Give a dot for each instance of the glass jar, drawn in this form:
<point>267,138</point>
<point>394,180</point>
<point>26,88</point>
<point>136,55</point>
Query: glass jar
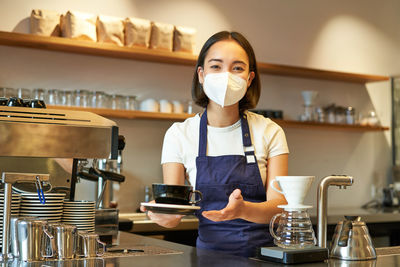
<point>66,98</point>
<point>130,102</point>
<point>330,116</point>
<point>294,230</point>
<point>320,114</point>
<point>372,118</point>
<point>117,101</point>
<point>308,113</point>
<point>340,115</point>
<point>81,98</point>
<point>24,93</point>
<point>99,99</point>
<point>91,99</point>
<point>189,106</point>
<point>38,94</point>
<point>52,97</point>
<point>350,115</point>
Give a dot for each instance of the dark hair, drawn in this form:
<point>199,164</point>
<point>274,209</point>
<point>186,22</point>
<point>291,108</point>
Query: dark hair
<point>252,96</point>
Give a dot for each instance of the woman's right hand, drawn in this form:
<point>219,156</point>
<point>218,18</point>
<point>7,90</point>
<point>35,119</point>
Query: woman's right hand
<point>164,220</point>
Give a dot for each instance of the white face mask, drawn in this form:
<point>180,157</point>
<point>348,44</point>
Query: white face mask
<point>224,88</point>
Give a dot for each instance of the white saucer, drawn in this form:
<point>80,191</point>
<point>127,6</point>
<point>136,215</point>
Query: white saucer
<point>295,207</point>
<point>170,208</point>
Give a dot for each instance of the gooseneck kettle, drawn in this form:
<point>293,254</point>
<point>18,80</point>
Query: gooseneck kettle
<point>351,240</point>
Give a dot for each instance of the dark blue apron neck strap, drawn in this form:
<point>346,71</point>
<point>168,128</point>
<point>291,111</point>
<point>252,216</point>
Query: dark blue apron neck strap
<point>248,147</point>
<point>245,131</point>
<point>203,135</point>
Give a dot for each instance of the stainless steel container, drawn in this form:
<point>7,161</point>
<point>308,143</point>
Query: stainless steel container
<point>65,237</point>
<point>89,245</point>
<point>351,241</point>
<point>107,223</point>
<point>13,234</point>
<point>32,235</point>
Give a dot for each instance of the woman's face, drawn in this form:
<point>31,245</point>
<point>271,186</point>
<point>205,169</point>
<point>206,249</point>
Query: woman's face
<point>226,56</point>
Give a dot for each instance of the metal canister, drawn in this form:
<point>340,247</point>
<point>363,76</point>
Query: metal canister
<point>31,240</point>
<point>13,234</point>
<point>350,115</point>
<point>89,245</point>
<point>65,236</point>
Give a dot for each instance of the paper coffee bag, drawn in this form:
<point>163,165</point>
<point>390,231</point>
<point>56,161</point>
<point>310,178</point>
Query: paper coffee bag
<point>110,30</point>
<point>45,22</point>
<point>161,36</point>
<point>79,25</point>
<point>137,32</point>
<point>184,39</point>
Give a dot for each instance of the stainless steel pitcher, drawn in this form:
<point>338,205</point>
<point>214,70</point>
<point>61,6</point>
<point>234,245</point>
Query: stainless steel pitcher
<point>13,234</point>
<point>89,245</point>
<point>351,240</point>
<point>32,235</point>
<point>65,237</point>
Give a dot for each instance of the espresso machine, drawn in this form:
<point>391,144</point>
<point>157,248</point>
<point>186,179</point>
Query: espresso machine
<point>39,146</point>
<point>105,172</point>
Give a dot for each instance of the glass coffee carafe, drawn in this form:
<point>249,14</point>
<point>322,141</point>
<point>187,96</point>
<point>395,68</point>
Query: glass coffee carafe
<point>294,230</point>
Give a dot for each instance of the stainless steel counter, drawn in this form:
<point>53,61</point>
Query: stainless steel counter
<point>186,256</point>
<point>384,215</point>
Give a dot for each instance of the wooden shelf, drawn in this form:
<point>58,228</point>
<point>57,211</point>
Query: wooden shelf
<point>130,114</point>
<point>329,126</point>
<point>109,50</point>
<point>135,114</point>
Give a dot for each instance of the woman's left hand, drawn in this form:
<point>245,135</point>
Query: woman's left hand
<point>232,211</point>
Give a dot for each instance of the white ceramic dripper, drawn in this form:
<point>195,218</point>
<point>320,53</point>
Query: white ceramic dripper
<point>309,97</point>
<point>295,189</point>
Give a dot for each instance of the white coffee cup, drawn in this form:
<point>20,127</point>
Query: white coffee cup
<point>178,106</point>
<point>294,188</point>
<point>150,105</point>
<point>165,106</point>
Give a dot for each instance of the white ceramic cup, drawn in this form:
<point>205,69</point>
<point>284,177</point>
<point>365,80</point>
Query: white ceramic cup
<point>150,105</point>
<point>165,106</point>
<point>294,188</point>
<point>178,106</point>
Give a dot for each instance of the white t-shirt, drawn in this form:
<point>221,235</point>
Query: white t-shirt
<point>181,142</point>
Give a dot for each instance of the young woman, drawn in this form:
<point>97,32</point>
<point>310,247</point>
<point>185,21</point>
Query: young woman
<point>227,152</point>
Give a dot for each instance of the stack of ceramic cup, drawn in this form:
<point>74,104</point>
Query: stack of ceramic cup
<point>81,214</point>
<point>15,203</point>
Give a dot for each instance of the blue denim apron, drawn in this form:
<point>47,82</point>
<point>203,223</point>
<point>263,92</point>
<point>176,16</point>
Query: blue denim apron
<point>216,178</point>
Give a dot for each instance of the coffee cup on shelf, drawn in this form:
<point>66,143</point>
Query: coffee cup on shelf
<point>150,105</point>
<point>176,194</point>
<point>178,106</point>
<point>165,106</point>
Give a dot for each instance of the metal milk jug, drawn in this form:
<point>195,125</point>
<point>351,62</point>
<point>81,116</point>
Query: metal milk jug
<point>32,235</point>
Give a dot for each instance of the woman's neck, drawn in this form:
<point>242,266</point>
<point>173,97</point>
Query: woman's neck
<point>218,116</point>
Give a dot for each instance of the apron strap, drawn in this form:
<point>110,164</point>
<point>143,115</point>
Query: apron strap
<point>203,135</point>
<point>246,138</point>
<point>247,144</point>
